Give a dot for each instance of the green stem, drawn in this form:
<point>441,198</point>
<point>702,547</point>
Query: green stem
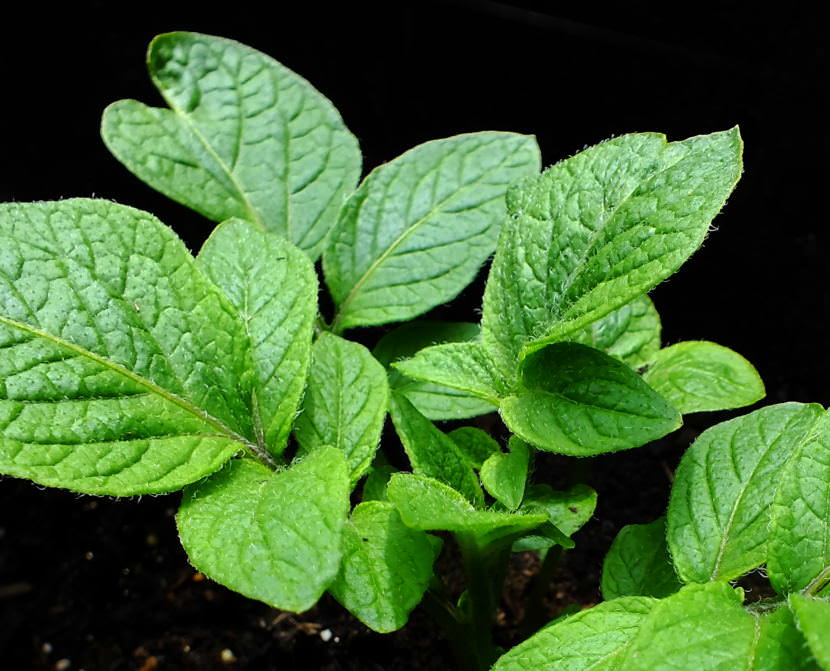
<point>534,616</point>
<point>819,583</point>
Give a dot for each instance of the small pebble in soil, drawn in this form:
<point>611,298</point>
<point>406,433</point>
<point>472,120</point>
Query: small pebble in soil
<point>46,648</point>
<point>89,556</point>
<point>326,635</point>
<point>227,656</point>
<point>152,540</point>
<point>62,664</point>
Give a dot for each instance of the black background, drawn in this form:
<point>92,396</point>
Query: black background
<point>406,72</point>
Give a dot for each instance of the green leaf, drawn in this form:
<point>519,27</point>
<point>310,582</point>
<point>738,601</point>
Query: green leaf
<point>813,617</point>
<point>434,401</point>
<point>718,519</point>
<point>781,646</point>
<point>345,402</point>
<point>122,369</point>
<point>431,452</point>
<point>504,475</point>
<point>464,366</point>
<point>475,444</point>
<point>374,487</point>
<point>579,401</point>
<point>244,137</point>
<point>638,563</point>
<point>274,287</point>
<point>701,627</point>
<point>419,227</point>
<point>630,333</point>
<point>597,230</point>
<point>275,537</point>
<point>567,510</point>
<point>800,531</point>
<point>699,376</point>
<point>430,505</point>
<point>594,639</point>
<point>386,567</point>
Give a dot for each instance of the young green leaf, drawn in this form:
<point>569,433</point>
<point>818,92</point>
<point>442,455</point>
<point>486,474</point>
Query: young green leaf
<point>504,475</point>
<point>275,537</point>
<point>701,627</point>
<point>374,487</point>
<point>419,227</point>
<point>813,618</point>
<point>430,505</point>
<point>594,639</point>
<point>630,333</point>
<point>274,287</point>
<point>434,401</point>
<point>431,452</point>
<point>244,137</point>
<point>638,563</point>
<point>345,402</point>
<point>567,510</point>
<point>579,401</point>
<point>698,376</point>
<point>386,567</point>
<point>718,519</point>
<point>475,444</point>
<point>781,646</point>
<point>800,531</point>
<point>597,230</point>
<point>122,369</point>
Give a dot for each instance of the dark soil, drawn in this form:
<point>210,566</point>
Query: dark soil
<point>103,585</point>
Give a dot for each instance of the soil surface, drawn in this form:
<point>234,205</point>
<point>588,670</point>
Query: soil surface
<point>103,585</point>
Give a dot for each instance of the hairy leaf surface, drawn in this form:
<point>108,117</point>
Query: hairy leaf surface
<point>781,646</point>
<point>718,519</point>
<point>475,444</point>
<point>568,510</point>
<point>504,474</point>
<point>345,402</point>
<point>244,137</point>
<point>813,619</point>
<point>698,376</point>
<point>275,537</point>
<point>419,227</point>
<point>274,287</point>
<point>579,401</point>
<point>122,369</point>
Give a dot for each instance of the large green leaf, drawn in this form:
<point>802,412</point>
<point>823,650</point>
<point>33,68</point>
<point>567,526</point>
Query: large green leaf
<point>718,519</point>
<point>275,537</point>
<point>638,563</point>
<point>698,376</point>
<point>594,639</point>
<point>579,401</point>
<point>431,452</point>
<point>386,567</point>
<point>345,403</point>
<point>813,618</point>
<point>800,531</point>
<point>244,137</point>
<point>781,646</point>
<point>597,230</point>
<point>274,287</point>
<point>430,505</point>
<point>504,475</point>
<point>432,400</point>
<point>122,369</point>
<point>419,227</point>
<point>630,333</point>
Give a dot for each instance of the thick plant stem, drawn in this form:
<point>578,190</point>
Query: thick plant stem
<point>534,616</point>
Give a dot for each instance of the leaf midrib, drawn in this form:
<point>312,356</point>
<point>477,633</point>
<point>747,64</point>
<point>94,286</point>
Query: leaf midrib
<point>138,379</point>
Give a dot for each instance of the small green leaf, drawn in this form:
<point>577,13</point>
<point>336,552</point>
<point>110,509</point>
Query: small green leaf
<point>813,618</point>
<point>638,563</point>
<point>434,401</point>
<point>699,376</point>
<point>781,646</point>
<point>345,402</point>
<point>122,369</point>
<point>275,537</point>
<point>718,519</point>
<point>274,287</point>
<point>580,401</point>
<point>477,445</point>
<point>800,531</point>
<point>245,137</point>
<point>464,366</point>
<point>701,627</point>
<point>594,639</point>
<point>430,505</point>
<point>630,333</point>
<point>504,475</point>
<point>433,453</point>
<point>569,509</point>
<point>386,567</point>
<point>374,487</point>
<point>419,227</point>
<point>597,230</point>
